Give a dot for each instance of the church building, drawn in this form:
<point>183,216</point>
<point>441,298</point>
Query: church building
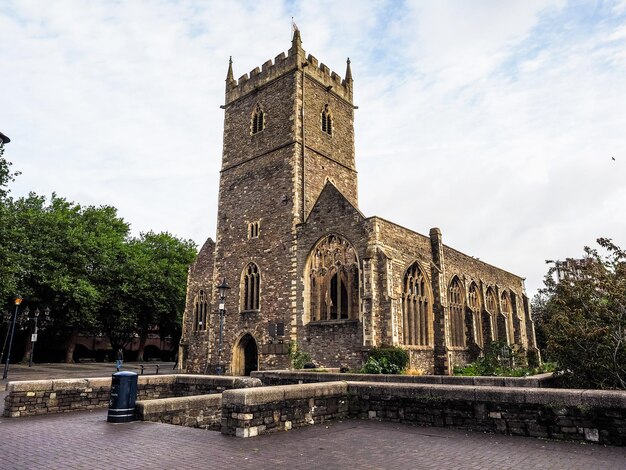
<point>306,267</point>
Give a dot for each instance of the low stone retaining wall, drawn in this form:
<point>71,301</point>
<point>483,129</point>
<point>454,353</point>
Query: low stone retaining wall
<point>591,415</point>
<point>247,413</point>
<point>35,397</point>
<point>288,377</point>
<point>202,411</point>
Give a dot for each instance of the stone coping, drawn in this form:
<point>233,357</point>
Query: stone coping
<point>105,382</point>
<point>162,405</point>
<point>262,395</point>
<point>548,397</point>
<point>535,381</point>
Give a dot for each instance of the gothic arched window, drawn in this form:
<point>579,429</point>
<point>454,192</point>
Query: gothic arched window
<point>473,302</point>
<point>250,283</point>
<point>334,280</point>
<point>491,302</point>
<point>200,309</point>
<point>258,120</point>
<point>327,121</point>
<point>507,310</point>
<point>416,307</point>
<point>457,321</point>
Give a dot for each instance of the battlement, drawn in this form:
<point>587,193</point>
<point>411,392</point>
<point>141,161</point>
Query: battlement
<point>295,59</point>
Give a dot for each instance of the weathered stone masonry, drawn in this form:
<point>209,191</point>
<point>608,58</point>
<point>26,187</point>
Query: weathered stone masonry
<point>330,279</point>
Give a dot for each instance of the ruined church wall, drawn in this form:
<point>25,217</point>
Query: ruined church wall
<point>195,344</point>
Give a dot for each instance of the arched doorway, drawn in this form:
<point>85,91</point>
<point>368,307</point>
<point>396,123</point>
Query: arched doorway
<point>246,356</point>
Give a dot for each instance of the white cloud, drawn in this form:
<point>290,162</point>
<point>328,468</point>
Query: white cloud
<point>493,120</point>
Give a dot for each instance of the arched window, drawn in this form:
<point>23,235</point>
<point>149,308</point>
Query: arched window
<point>457,321</point>
<point>258,120</point>
<point>473,302</point>
<point>416,307</point>
<point>327,121</point>
<point>491,301</point>
<point>250,283</point>
<point>200,309</point>
<point>507,310</point>
<point>333,269</point>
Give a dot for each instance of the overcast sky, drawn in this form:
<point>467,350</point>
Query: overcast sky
<point>496,121</point>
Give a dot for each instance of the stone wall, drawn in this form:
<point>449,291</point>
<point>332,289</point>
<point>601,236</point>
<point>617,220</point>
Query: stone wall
<point>287,377</point>
<point>36,397</point>
<point>201,411</point>
<point>194,344</point>
<point>246,413</point>
<point>584,415</point>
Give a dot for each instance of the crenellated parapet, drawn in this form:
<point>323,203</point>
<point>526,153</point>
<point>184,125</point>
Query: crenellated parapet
<point>295,60</point>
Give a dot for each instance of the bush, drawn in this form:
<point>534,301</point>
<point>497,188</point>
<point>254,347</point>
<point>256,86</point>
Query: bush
<point>386,361</point>
<point>298,357</point>
<point>500,359</point>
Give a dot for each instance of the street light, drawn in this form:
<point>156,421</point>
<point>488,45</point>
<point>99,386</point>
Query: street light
<point>18,301</point>
<point>222,290</point>
<point>33,338</point>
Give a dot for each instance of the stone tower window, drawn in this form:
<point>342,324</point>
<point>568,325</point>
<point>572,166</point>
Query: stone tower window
<point>258,120</point>
<point>473,302</point>
<point>253,229</point>
<point>334,280</point>
<point>327,121</point>
<point>200,310</point>
<point>457,321</point>
<point>507,310</point>
<point>416,307</point>
<point>250,283</point>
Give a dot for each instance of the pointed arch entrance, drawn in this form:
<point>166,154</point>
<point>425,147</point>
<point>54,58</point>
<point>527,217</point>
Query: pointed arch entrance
<point>245,356</point>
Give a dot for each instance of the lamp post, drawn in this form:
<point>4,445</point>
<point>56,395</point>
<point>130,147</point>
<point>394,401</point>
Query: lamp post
<point>222,290</point>
<point>10,332</point>
<point>33,338</point>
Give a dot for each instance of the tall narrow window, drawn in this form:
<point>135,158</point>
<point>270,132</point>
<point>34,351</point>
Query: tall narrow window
<point>250,283</point>
<point>253,229</point>
<point>200,310</point>
<point>507,310</point>
<point>473,301</point>
<point>416,308</point>
<point>258,120</point>
<point>327,121</point>
<point>491,302</point>
<point>334,280</point>
<point>457,321</point>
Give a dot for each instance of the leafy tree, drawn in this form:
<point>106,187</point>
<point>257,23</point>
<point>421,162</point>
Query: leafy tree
<point>584,318</point>
<point>158,263</point>
<point>64,255</point>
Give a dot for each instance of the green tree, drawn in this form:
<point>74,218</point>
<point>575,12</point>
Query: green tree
<point>65,253</point>
<point>159,263</point>
<point>585,318</point>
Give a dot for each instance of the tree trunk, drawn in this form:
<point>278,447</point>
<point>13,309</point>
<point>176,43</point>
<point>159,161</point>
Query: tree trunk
<point>142,345</point>
<point>28,348</point>
<point>70,345</point>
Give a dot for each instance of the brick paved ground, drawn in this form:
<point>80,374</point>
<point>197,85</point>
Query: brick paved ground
<point>86,441</point>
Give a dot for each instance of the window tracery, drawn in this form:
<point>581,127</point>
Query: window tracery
<point>416,307</point>
<point>334,280</point>
<point>200,310</point>
<point>327,121</point>
<point>258,120</point>
<point>250,288</point>
<point>456,308</point>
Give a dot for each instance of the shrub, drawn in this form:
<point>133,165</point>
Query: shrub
<point>386,361</point>
<point>298,357</point>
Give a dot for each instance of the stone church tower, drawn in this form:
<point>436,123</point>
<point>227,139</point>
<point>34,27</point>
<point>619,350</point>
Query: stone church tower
<point>305,266</point>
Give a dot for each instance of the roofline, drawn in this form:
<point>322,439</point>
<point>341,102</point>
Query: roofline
<point>448,247</point>
<point>4,138</point>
